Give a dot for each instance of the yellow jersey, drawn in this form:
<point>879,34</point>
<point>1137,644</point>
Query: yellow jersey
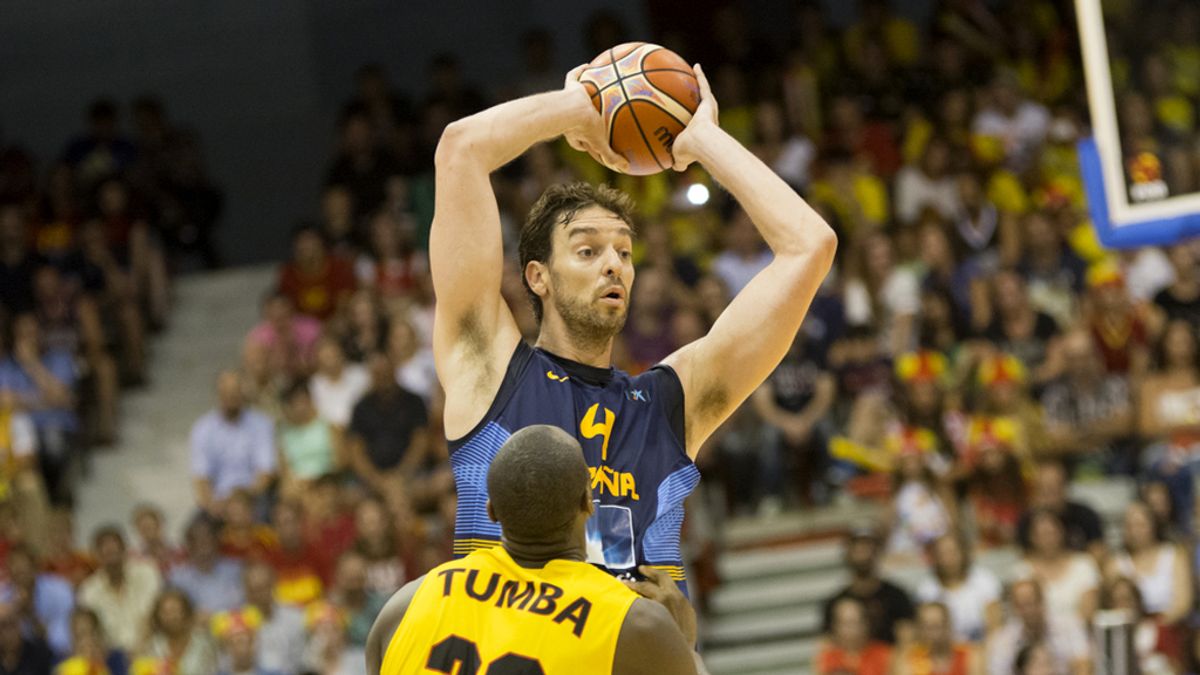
<point>487,615</point>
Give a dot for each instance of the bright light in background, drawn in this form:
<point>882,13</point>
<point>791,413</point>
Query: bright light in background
<point>697,195</point>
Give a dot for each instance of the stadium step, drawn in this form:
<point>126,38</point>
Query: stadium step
<point>212,314</point>
<point>786,657</point>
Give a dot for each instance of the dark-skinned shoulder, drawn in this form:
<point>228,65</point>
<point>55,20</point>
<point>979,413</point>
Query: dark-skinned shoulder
<point>386,624</point>
<point>651,644</point>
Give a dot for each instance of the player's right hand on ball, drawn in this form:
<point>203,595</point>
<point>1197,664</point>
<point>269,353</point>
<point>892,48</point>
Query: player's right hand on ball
<point>660,588</point>
<point>590,135</point>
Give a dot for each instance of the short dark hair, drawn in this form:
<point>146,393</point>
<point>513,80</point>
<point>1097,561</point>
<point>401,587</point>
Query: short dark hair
<point>294,388</point>
<point>558,205</point>
<point>107,532</point>
<point>538,483</point>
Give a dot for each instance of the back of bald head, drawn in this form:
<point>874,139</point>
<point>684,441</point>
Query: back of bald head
<point>538,483</point>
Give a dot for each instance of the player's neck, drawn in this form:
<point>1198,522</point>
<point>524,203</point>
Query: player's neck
<point>555,338</point>
<point>535,555</point>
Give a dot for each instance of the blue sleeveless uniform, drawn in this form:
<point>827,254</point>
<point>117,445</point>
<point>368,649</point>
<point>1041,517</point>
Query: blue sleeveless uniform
<point>631,430</point>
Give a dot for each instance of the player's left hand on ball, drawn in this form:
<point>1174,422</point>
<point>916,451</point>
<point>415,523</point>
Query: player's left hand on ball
<point>659,587</point>
<point>591,136</point>
<point>683,151</point>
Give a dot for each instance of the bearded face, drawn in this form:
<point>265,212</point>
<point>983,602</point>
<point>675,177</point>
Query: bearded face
<point>586,283</point>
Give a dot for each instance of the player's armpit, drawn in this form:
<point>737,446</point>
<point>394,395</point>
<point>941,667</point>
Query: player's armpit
<point>651,644</point>
<point>386,624</point>
<point>719,371</point>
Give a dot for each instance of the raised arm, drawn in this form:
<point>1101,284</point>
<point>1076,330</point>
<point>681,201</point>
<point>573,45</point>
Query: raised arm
<point>474,333</point>
<point>752,335</point>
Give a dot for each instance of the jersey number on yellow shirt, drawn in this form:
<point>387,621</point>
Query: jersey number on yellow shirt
<point>459,656</point>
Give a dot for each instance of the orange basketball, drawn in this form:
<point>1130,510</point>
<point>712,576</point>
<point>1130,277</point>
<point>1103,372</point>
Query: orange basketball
<point>647,95</point>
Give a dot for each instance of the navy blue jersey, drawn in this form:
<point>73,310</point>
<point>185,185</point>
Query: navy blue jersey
<point>631,430</point>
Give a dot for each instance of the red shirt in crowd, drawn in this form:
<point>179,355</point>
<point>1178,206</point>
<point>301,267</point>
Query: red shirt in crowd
<point>318,295</point>
<point>875,659</point>
<point>331,538</point>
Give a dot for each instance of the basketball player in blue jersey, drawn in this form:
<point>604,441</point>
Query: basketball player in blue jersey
<point>640,435</point>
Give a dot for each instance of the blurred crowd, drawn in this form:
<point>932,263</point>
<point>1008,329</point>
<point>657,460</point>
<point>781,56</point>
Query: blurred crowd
<point>974,353</point>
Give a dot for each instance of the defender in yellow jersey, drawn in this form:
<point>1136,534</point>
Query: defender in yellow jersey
<point>532,606</point>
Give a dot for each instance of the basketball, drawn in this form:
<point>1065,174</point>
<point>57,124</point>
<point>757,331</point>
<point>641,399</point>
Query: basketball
<point>647,95</point>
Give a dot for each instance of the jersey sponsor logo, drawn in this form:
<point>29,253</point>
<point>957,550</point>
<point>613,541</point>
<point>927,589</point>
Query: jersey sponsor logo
<point>590,427</point>
<point>551,375</point>
<point>615,483</point>
<point>637,396</point>
<point>540,598</point>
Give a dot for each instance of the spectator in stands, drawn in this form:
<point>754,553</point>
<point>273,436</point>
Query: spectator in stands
<point>995,483</point>
<point>337,385</point>
<point>285,340</point>
<point>21,480</point>
<point>178,638</point>
<point>1070,581</point>
<point>887,607</point>
<point>388,440</point>
<point>928,185</point>
<point>309,446</point>
<point>884,295</point>
<point>392,267</point>
<point>43,601</point>
<point>242,537</point>
<point>20,655</point>
<point>111,291</point>
<point>212,581</point>
<point>936,650</point>
<point>148,524</point>
<point>1181,300</point>
<point>378,543</point>
<point>296,561</point>
<point>69,323</point>
<point>354,599</point>
<point>970,592</point>
<point>850,646</point>
<point>316,282</point>
<point>91,652</point>
<point>102,151</point>
<point>60,555</point>
<point>1158,566</point>
<point>338,223</point>
<point>1082,528</point>
<point>326,650</point>
<point>1120,327</point>
<point>1036,659</point>
<point>328,524</point>
<point>1159,649</point>
<point>1010,322</point>
<point>361,165</point>
<point>122,592</point>
<point>232,447</point>
<point>127,235</point>
<point>236,633</point>
<point>1019,123</point>
<point>744,253</point>
<point>647,335</point>
<point>281,635</point>
<point>1088,413</point>
<point>1176,376</point>
<point>43,381</point>
<point>922,507</point>
<point>1031,623</point>
<point>412,359</point>
<point>1054,275</point>
<point>796,401</point>
<point>365,331</point>
<point>790,154</point>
